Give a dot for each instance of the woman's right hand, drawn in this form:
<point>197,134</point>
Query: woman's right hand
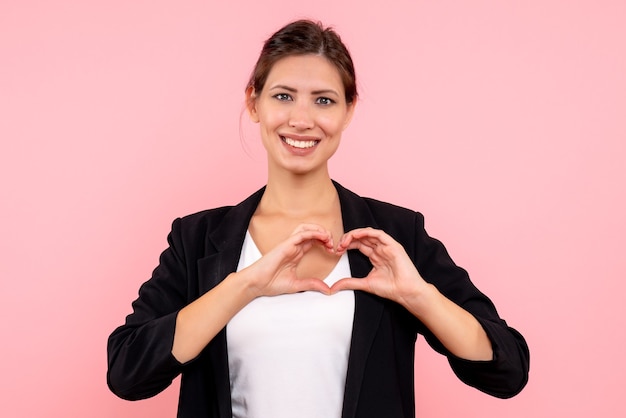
<point>275,272</point>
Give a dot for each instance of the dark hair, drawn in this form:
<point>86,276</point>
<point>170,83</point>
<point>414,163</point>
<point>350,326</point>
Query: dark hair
<point>300,38</point>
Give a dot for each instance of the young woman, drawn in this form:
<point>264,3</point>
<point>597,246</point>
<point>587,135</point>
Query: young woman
<point>305,300</point>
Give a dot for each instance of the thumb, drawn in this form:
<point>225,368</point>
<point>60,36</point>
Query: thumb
<point>312,284</point>
<point>348,283</point>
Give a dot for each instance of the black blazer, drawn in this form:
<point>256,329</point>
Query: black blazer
<point>205,247</point>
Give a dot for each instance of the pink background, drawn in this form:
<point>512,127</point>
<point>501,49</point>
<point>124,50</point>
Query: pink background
<point>504,122</point>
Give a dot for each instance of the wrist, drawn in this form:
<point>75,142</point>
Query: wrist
<point>242,283</point>
<point>420,299</point>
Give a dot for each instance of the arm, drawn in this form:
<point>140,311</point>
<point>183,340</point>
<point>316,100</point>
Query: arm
<point>396,278</point>
<point>273,274</point>
<point>140,362</point>
<point>458,320</point>
<point>164,332</point>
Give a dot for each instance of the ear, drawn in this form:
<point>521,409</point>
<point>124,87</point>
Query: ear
<point>349,114</point>
<point>251,104</point>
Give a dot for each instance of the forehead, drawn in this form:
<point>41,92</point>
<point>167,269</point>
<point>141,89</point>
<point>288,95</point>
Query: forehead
<point>305,72</point>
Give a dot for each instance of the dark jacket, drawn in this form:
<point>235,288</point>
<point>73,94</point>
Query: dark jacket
<point>205,247</point>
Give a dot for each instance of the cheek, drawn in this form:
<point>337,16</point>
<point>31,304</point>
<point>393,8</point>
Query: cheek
<point>332,125</point>
<point>271,118</point>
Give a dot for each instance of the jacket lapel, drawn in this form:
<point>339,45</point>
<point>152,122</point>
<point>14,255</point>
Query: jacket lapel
<point>227,241</point>
<point>368,308</point>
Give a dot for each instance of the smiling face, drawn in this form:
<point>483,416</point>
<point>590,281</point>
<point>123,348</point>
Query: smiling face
<point>302,112</point>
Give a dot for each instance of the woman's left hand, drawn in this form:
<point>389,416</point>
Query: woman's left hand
<point>393,275</point>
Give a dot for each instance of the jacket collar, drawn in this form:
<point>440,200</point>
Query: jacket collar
<point>231,232</point>
<point>232,229</point>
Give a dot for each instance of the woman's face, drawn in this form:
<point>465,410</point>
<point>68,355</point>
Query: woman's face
<point>302,112</point>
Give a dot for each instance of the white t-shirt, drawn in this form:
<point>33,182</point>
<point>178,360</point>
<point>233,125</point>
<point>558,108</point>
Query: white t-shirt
<point>288,354</point>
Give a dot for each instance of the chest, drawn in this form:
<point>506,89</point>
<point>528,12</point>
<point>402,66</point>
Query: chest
<point>269,231</point>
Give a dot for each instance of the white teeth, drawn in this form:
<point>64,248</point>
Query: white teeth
<point>299,144</point>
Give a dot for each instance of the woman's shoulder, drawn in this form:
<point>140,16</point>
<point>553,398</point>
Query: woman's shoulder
<point>202,219</point>
<point>206,216</point>
<point>400,222</point>
<point>380,206</point>
<point>229,217</point>
<point>381,210</point>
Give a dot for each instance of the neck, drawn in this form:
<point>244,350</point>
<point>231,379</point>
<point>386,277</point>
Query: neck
<point>298,196</point>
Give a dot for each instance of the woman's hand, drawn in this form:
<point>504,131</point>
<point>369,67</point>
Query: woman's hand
<point>275,272</point>
<point>393,275</point>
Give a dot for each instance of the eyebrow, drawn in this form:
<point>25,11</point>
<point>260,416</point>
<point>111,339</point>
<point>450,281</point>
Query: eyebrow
<point>293,90</point>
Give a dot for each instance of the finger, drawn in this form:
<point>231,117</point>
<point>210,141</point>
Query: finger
<point>306,284</point>
<point>345,242</point>
<point>308,227</point>
<point>322,236</point>
<point>375,235</point>
<point>349,283</point>
<point>361,234</point>
<point>370,242</point>
<point>367,246</point>
<point>368,249</point>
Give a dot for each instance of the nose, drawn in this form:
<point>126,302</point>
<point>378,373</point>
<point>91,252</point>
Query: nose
<point>301,117</point>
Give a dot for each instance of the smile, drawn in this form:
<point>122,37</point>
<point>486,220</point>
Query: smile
<point>299,144</point>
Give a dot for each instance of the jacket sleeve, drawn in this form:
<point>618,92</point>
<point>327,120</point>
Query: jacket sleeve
<point>507,373</point>
<point>140,360</point>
